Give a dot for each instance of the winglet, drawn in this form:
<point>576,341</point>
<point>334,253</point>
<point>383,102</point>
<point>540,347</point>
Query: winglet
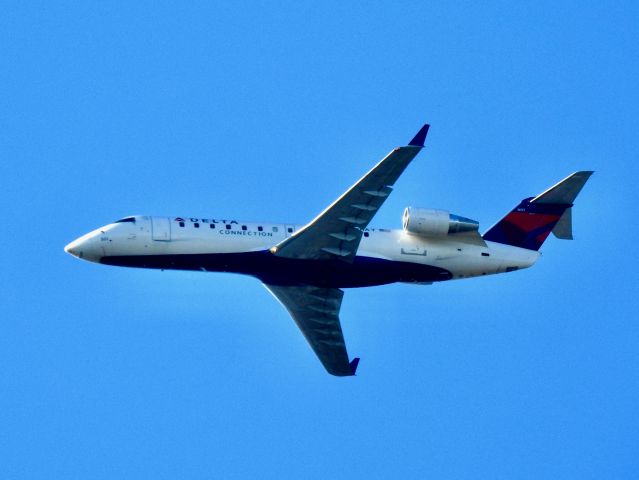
<point>419,139</point>
<point>353,365</point>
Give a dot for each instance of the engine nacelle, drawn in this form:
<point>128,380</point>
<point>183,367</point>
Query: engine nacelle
<point>429,222</point>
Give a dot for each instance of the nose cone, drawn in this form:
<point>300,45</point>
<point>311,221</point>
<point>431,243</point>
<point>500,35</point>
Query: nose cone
<point>72,249</point>
<point>86,248</point>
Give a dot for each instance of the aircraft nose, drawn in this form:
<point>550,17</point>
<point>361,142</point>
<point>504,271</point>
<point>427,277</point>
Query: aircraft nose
<point>72,249</point>
<point>85,248</point>
<point>77,247</point>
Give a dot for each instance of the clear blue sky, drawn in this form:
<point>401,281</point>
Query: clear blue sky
<point>260,111</point>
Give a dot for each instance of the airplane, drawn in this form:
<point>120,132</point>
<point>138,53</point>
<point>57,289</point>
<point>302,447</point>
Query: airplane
<point>306,267</point>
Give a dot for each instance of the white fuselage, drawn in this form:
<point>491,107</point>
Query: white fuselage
<point>162,237</point>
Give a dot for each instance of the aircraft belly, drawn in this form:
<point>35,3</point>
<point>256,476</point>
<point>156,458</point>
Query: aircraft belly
<point>270,269</point>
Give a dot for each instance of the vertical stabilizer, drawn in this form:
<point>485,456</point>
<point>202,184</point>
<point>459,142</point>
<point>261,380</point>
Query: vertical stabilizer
<point>530,223</point>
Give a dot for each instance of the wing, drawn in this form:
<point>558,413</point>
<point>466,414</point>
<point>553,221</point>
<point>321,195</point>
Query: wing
<point>316,312</point>
<point>337,231</point>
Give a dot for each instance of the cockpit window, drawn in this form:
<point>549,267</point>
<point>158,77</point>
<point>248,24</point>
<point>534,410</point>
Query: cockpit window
<point>126,219</point>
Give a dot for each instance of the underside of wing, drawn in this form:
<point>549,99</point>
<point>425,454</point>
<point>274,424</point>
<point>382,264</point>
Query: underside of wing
<point>337,231</point>
<point>316,312</point>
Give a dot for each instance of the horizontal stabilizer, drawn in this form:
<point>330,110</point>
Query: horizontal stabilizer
<point>563,229</point>
<point>564,192</point>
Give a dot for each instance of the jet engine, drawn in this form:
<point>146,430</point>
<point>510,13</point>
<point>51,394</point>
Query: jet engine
<point>429,222</point>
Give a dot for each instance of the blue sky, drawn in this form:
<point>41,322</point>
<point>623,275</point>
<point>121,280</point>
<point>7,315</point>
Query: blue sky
<point>269,112</point>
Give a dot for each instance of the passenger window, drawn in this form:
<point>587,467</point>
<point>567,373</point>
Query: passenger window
<point>212,225</point>
<point>244,227</point>
<point>290,230</point>
<point>259,229</point>
<point>181,224</point>
<point>275,229</point>
<point>366,234</point>
<point>196,225</point>
<point>228,226</point>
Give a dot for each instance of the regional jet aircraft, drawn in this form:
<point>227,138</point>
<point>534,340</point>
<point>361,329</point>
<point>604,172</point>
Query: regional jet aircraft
<point>306,266</point>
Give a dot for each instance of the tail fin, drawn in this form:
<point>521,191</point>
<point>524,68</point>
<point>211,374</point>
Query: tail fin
<point>530,223</point>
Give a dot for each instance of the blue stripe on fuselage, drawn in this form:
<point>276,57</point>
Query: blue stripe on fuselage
<point>274,270</point>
